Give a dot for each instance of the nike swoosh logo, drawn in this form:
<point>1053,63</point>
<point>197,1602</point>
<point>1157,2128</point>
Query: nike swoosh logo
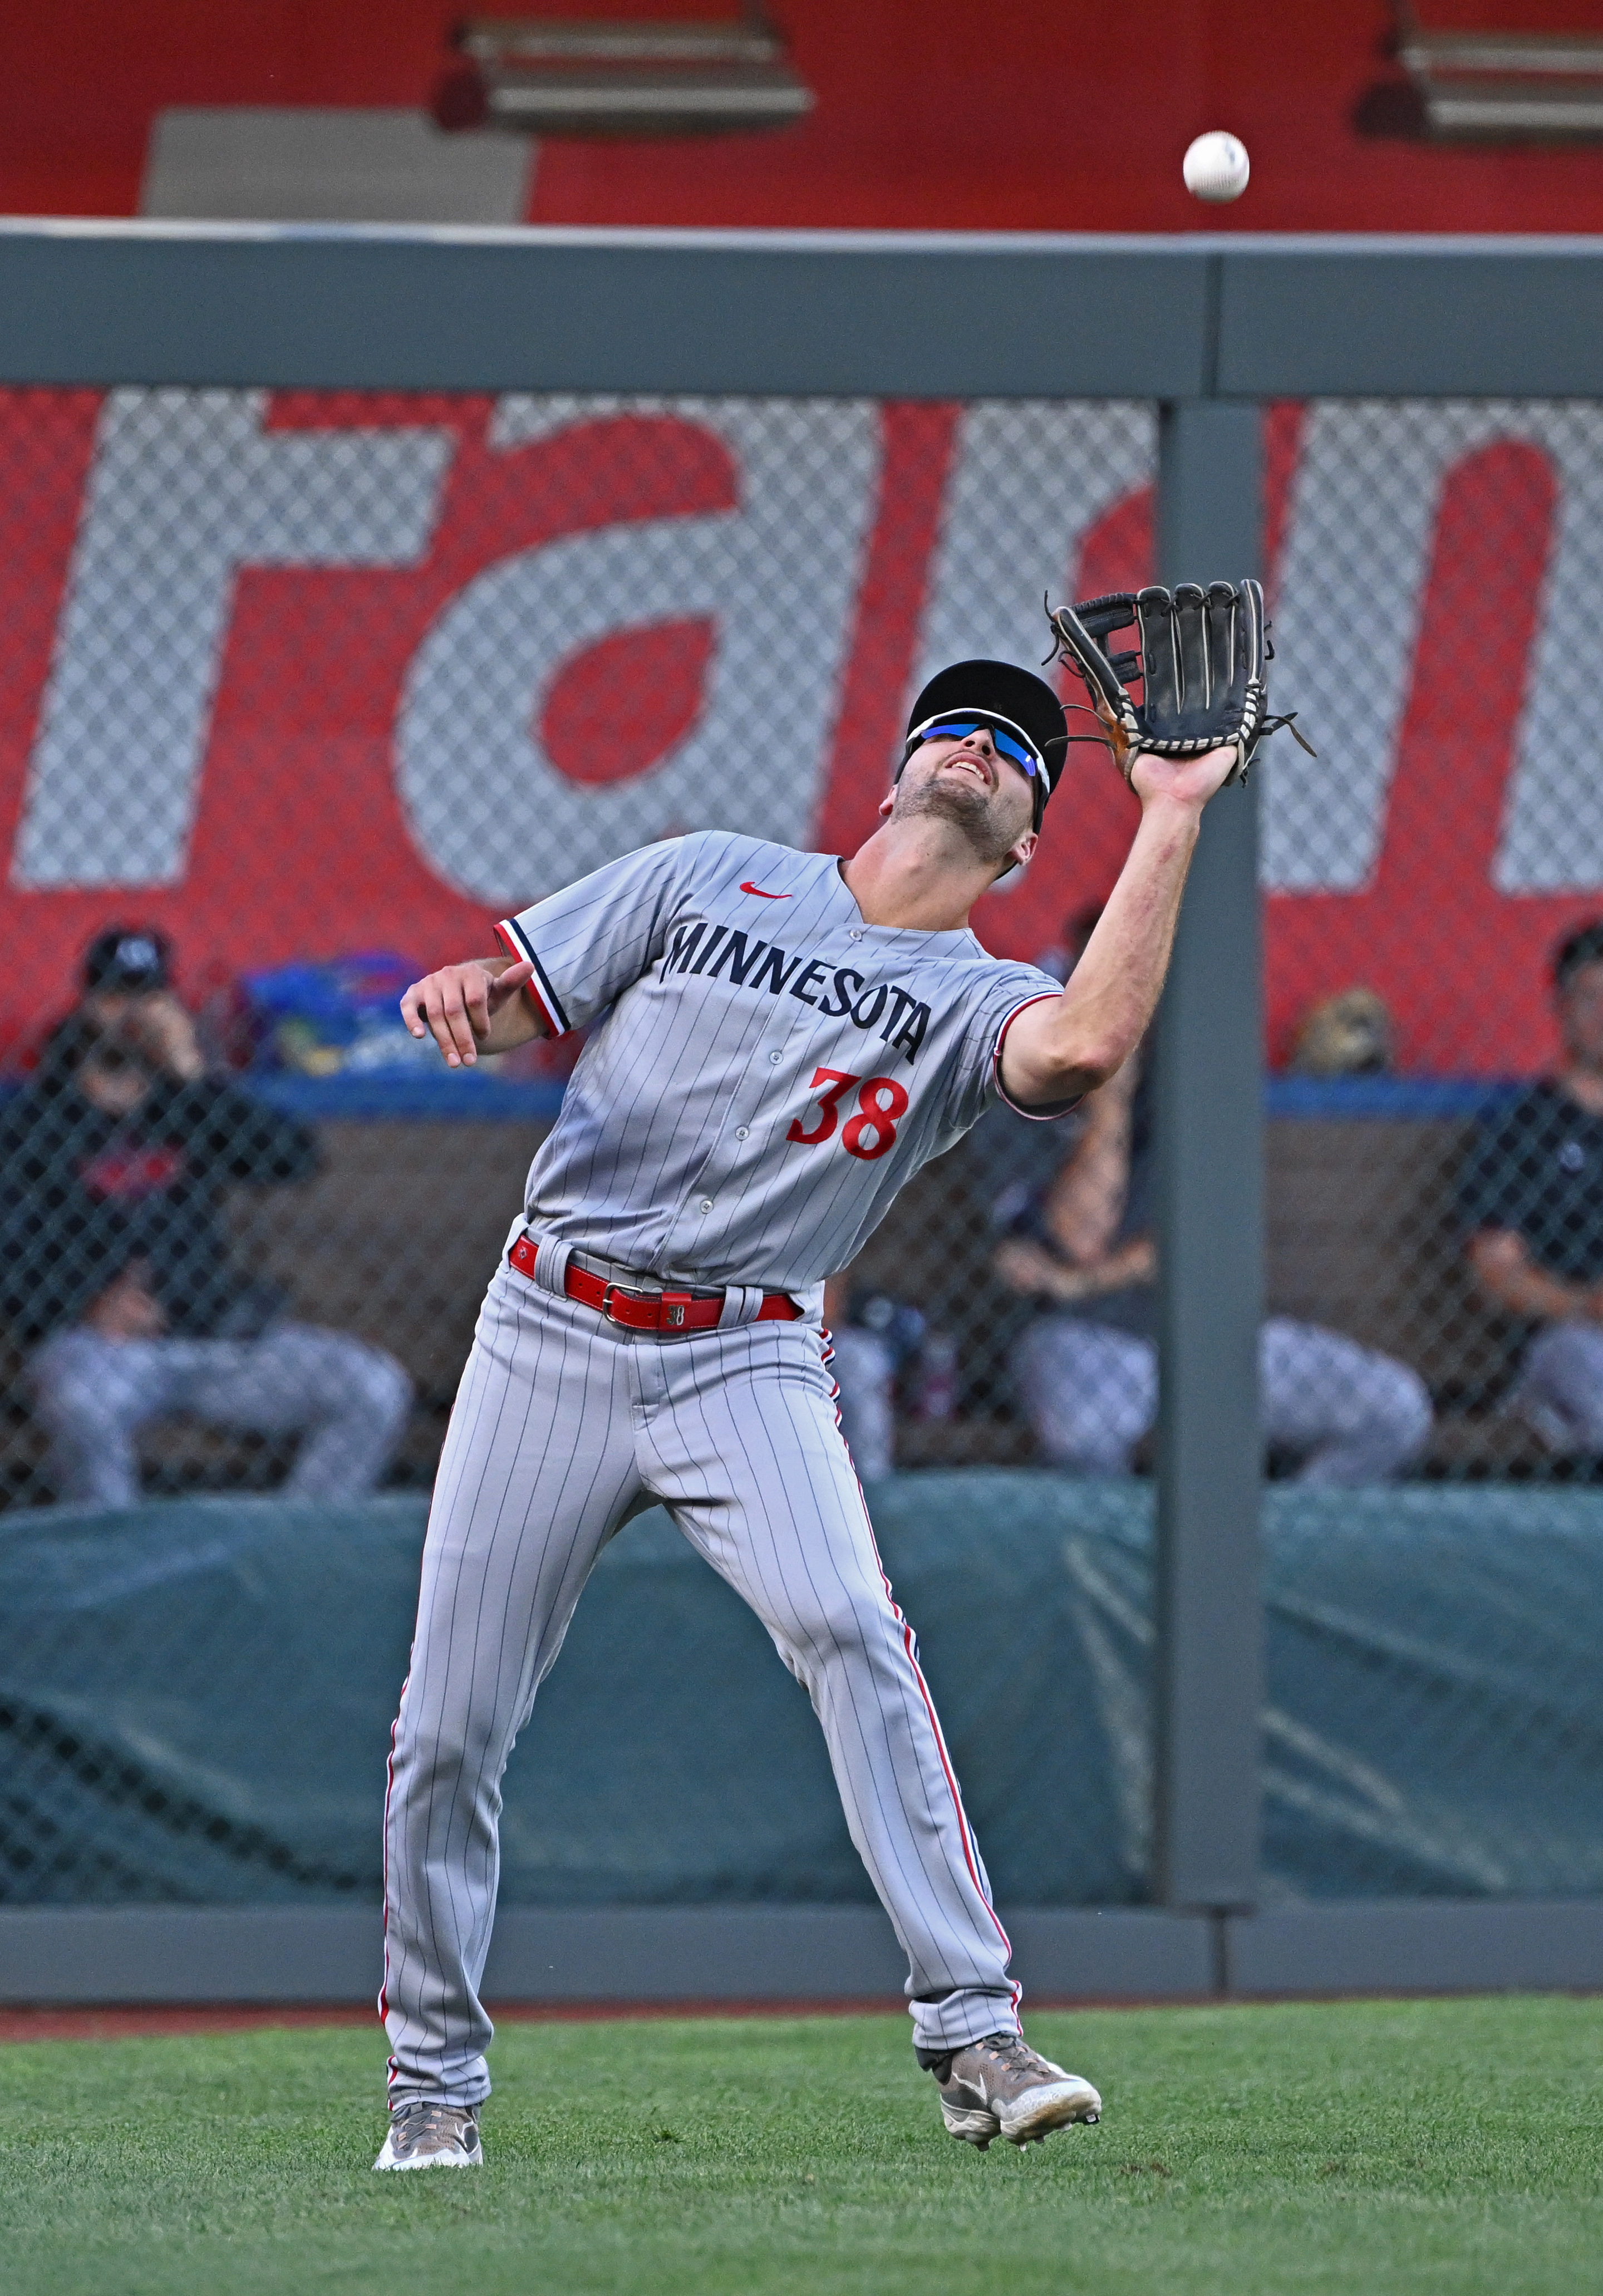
<point>748,887</point>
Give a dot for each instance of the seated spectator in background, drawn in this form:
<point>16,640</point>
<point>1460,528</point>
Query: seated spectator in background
<point>1087,1367</point>
<point>1531,1200</point>
<point>114,1262</point>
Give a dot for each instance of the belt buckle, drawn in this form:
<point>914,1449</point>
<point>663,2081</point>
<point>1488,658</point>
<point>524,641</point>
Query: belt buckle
<point>627,1292</point>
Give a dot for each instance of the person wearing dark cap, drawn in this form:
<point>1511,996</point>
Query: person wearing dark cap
<point>126,962</point>
<point>1531,1202</point>
<point>115,1266</point>
<point>779,1041</point>
<point>129,992</point>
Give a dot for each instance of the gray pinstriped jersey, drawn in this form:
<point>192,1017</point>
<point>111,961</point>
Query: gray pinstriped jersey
<point>767,1070</point>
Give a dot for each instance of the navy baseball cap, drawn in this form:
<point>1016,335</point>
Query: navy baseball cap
<point>1009,699</point>
<point>132,957</point>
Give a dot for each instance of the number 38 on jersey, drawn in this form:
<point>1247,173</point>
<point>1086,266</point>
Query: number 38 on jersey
<point>881,1102</point>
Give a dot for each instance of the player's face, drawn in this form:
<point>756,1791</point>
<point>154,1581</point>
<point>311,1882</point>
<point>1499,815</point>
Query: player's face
<point>1581,1016</point>
<point>970,781</point>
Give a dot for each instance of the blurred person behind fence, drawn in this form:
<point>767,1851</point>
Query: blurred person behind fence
<point>115,1266</point>
<point>1083,1248</point>
<point>874,1337</point>
<point>1530,1201</point>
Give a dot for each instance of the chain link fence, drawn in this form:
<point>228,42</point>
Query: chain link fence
<point>1434,981</point>
<point>310,688</point>
<point>306,689</point>
<point>1435,1141</point>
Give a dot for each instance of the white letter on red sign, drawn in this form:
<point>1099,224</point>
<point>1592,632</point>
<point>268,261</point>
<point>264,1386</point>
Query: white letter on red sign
<point>186,490</point>
<point>1553,815</point>
<point>1030,476</point>
<point>490,810</point>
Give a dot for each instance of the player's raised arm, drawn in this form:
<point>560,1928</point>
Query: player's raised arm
<point>739,978</point>
<point>1068,1044</point>
<point>473,1008</point>
<point>1201,658</point>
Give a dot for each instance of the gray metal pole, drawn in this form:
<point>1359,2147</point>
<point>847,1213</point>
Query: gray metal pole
<point>1210,1227</point>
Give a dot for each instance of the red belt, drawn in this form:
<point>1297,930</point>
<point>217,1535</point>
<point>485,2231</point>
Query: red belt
<point>648,1311</point>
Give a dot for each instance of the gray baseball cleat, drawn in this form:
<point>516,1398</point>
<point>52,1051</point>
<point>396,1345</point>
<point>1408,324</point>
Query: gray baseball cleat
<point>1000,2086</point>
<point>424,2135</point>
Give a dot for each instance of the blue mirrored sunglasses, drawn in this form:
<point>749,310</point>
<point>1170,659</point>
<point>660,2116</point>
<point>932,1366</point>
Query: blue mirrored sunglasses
<point>1009,745</point>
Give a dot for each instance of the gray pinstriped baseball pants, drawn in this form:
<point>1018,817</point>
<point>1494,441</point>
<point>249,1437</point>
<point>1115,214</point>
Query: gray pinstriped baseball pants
<point>563,1427</point>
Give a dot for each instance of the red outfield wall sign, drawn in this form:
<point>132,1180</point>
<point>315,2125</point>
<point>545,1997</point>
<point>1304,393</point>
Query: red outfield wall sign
<point>292,674</point>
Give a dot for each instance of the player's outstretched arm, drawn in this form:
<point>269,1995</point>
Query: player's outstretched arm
<point>1068,1044</point>
<point>473,1008</point>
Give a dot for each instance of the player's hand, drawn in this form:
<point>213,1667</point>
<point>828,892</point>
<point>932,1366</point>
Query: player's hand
<point>1185,781</point>
<point>458,1005</point>
<point>165,1031</point>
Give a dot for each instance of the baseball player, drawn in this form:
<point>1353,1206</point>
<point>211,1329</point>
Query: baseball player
<point>779,1041</point>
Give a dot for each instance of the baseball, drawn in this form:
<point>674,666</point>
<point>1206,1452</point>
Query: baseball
<point>1216,166</point>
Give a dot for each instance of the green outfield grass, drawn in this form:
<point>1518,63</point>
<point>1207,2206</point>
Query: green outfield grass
<point>1377,2147</point>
